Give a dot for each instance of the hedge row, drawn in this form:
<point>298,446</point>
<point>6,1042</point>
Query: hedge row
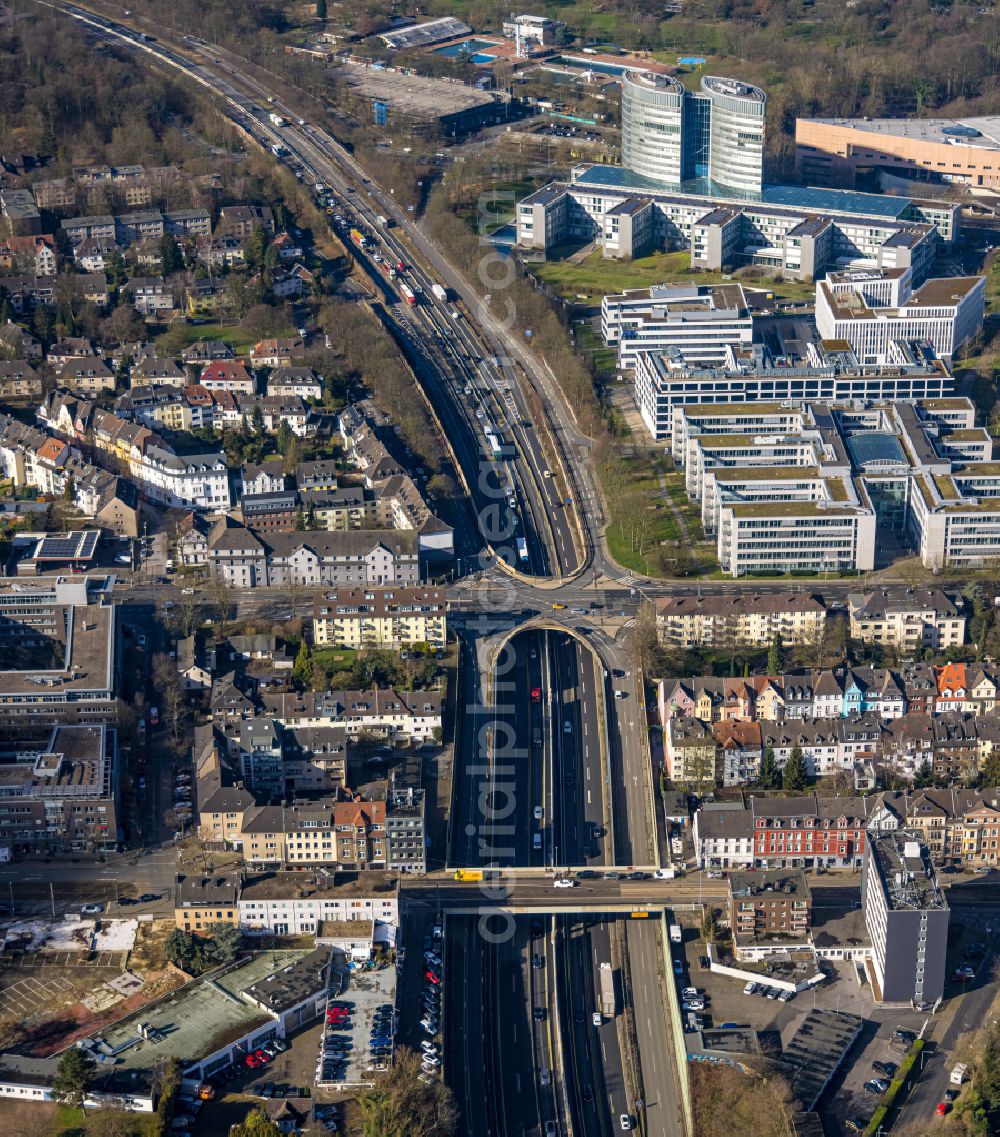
<point>895,1088</point>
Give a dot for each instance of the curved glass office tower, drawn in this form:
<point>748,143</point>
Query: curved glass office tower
<point>671,135</point>
<point>652,126</point>
<point>736,133</point>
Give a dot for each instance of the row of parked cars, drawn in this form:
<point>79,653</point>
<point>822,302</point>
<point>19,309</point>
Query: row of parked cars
<point>336,1044</point>
<point>430,995</point>
<point>768,991</point>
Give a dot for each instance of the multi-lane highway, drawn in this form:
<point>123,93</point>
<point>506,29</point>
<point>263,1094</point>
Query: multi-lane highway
<point>477,396</point>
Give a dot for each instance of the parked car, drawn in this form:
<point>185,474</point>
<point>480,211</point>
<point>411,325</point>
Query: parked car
<point>876,1086</point>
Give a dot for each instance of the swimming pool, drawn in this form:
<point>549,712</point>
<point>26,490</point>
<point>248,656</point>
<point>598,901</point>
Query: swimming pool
<point>466,47</point>
<point>585,64</point>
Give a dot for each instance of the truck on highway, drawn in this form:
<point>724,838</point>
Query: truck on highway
<point>440,292</point>
<point>522,550</point>
<point>609,1005</point>
<point>384,221</point>
<point>360,239</point>
<point>468,874</point>
<point>676,936</point>
<point>279,151</point>
<point>276,119</point>
<point>409,294</point>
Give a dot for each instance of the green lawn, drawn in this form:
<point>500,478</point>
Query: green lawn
<point>590,343</point>
<point>183,335</point>
<point>596,276</point>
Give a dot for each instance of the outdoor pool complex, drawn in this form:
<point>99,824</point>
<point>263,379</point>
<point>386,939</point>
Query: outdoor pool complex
<point>585,64</point>
<point>471,47</point>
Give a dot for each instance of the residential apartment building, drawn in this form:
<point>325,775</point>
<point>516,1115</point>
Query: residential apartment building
<point>292,904</point>
<point>698,320</point>
<point>810,831</point>
<point>405,831</point>
<point>723,836</point>
<point>906,918</point>
<point>723,620</point>
<point>347,834</point>
<point>768,910</point>
<point>202,901</point>
<point>380,618</point>
<point>358,557</point>
<point>908,619</point>
<point>19,380</point>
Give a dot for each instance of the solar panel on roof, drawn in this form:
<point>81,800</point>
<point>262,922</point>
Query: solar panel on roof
<point>67,547</point>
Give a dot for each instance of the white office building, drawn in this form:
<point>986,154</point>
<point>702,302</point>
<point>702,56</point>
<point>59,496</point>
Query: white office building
<point>666,383</point>
<point>699,321</point>
<point>871,310</point>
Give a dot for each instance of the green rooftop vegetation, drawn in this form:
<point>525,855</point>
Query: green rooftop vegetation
<point>788,509</point>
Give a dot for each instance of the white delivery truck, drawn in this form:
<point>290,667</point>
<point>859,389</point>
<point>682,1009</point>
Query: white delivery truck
<point>276,119</point>
<point>440,293</point>
<point>675,934</point>
<point>959,1073</point>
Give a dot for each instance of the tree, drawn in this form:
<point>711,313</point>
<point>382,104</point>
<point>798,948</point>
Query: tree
<point>255,1124</point>
<point>320,9</point>
<point>257,421</point>
<point>796,774</point>
<point>255,248</point>
<point>283,437</point>
<point>776,656</point>
<point>311,523</point>
<point>924,777</point>
<point>300,520</point>
<point>768,776</point>
<point>171,257</point>
<point>400,1105</point>
<point>180,948</point>
<point>302,669</point>
<point>168,683</point>
<point>990,773</point>
<point>73,1075</point>
<point>42,322</point>
<point>227,940</point>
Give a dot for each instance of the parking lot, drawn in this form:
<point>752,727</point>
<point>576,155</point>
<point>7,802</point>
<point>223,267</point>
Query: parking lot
<point>360,1028</point>
<point>847,1102</point>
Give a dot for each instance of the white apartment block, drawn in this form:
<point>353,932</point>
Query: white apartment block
<point>723,838</point>
<point>699,321</point>
<point>870,310</point>
<point>290,904</point>
<point>719,620</point>
<point>199,481</point>
<point>391,618</point>
<point>908,619</point>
